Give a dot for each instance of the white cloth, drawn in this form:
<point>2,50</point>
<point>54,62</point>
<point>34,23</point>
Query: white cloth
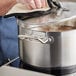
<point>20,8</point>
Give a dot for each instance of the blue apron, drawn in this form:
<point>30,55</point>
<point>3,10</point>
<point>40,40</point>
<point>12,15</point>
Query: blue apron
<point>8,40</point>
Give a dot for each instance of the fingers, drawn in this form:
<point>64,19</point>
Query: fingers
<point>38,3</point>
<point>43,3</point>
<point>31,4</point>
<point>34,4</point>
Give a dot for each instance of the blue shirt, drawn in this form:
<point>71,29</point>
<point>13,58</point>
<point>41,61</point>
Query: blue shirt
<point>8,39</point>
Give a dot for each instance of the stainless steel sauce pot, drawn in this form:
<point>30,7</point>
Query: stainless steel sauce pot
<point>43,48</point>
<point>49,43</point>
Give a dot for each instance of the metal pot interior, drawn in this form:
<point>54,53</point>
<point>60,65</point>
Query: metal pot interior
<point>53,28</point>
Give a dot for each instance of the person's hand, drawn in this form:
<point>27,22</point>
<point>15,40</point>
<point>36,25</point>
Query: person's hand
<point>33,4</point>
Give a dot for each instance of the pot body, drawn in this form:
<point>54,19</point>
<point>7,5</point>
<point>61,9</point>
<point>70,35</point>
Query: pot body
<point>59,52</point>
<point>53,50</point>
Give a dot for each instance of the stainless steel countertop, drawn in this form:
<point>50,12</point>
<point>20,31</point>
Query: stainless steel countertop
<point>11,71</point>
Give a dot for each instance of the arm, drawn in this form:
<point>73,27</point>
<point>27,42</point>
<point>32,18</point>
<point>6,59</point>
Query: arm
<point>6,5</point>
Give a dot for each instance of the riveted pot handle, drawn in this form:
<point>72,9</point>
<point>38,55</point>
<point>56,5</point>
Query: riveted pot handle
<point>46,40</point>
<point>42,40</point>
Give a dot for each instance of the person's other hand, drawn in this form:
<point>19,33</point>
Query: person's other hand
<point>33,4</point>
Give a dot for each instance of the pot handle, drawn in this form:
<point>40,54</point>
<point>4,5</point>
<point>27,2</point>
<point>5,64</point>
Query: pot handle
<point>42,40</point>
<point>46,40</point>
